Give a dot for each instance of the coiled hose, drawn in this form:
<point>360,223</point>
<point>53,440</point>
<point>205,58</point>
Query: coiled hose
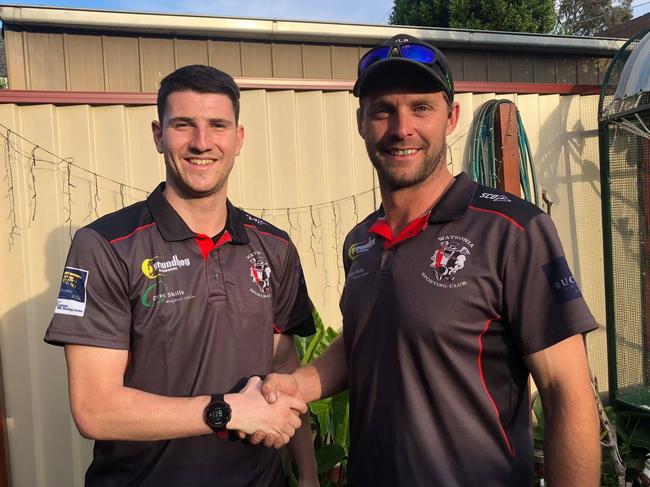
<point>482,155</point>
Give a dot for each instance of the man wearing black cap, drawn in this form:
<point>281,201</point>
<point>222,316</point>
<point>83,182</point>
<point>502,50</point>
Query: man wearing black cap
<point>454,292</point>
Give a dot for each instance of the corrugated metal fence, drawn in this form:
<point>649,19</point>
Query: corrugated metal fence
<point>303,167</point>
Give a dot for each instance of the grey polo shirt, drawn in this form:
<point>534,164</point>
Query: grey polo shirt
<point>196,316</point>
<point>436,323</point>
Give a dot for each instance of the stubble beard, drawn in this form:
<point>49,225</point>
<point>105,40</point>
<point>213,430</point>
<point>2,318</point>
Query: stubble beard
<point>391,181</point>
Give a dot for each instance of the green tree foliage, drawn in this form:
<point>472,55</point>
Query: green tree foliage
<point>500,15</point>
<point>429,13</point>
<point>503,15</point>
<point>589,17</point>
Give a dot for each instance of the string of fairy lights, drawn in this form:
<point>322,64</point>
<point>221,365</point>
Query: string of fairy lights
<point>20,151</point>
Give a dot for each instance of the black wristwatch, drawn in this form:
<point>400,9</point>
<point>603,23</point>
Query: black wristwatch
<point>217,413</point>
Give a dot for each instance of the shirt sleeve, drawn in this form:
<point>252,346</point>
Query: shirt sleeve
<point>92,307</point>
<point>542,300</point>
<point>293,308</point>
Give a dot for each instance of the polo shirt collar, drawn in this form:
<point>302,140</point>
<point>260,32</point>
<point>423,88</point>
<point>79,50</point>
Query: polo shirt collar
<point>173,228</point>
<point>235,224</point>
<point>454,203</point>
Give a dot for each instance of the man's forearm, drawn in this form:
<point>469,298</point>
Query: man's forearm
<point>302,448</point>
<point>285,360</point>
<point>103,408</point>
<point>572,426</point>
<point>571,443</point>
<point>327,375</point>
<point>123,413</point>
<point>134,415</point>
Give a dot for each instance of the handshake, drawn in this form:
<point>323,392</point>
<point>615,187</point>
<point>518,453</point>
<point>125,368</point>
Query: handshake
<point>267,412</point>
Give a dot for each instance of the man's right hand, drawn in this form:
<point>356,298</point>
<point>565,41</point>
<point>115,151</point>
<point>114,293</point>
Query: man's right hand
<point>251,413</point>
<point>284,383</point>
<point>275,387</point>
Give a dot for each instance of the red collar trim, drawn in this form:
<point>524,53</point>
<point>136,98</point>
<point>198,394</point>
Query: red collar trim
<point>225,238</point>
<point>414,228</point>
<point>206,244</point>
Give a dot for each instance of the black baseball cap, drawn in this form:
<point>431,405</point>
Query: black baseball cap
<point>400,55</point>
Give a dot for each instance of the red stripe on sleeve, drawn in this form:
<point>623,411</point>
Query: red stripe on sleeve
<point>502,215</point>
<point>132,233</point>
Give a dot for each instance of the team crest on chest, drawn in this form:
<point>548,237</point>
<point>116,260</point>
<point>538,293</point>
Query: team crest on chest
<point>448,260</point>
<point>260,274</point>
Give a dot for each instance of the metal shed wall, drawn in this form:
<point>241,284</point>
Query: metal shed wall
<point>303,167</point>
<point>53,59</point>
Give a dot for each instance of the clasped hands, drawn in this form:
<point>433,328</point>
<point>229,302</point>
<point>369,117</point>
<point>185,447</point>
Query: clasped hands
<point>268,412</point>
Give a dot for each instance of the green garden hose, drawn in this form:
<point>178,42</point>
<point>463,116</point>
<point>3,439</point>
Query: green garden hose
<point>482,155</point>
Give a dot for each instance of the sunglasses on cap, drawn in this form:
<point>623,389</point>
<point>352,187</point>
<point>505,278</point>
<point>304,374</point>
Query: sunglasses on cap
<point>413,51</point>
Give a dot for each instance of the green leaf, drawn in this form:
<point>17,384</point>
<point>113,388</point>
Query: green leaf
<point>301,345</point>
<point>329,456</point>
<point>317,319</point>
<point>321,409</point>
<point>538,411</point>
<point>341,418</point>
<point>640,438</point>
<point>324,341</point>
<point>311,347</point>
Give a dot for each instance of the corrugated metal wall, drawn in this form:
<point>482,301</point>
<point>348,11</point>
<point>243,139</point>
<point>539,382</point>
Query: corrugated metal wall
<point>303,167</point>
<point>57,60</point>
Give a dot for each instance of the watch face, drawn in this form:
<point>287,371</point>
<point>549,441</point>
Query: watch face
<point>217,414</point>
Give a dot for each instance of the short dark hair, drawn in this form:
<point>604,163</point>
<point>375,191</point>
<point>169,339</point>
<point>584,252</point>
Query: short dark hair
<point>201,79</point>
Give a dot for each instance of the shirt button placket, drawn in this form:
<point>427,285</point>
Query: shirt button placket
<point>387,260</point>
<point>216,284</point>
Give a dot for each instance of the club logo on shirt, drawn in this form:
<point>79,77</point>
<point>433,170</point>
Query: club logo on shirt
<point>260,274</point>
<point>447,261</point>
<point>152,268</point>
<point>72,294</point>
<point>357,249</point>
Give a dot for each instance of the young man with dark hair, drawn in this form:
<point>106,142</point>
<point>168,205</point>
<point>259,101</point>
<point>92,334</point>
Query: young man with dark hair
<point>199,79</point>
<point>459,293</point>
<point>168,306</point>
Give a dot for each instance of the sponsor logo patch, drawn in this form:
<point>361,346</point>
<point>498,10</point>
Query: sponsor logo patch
<point>447,261</point>
<point>260,274</point>
<point>357,249</point>
<point>495,197</point>
<point>159,293</point>
<point>563,285</point>
<point>153,267</point>
<point>72,294</point>
<point>357,273</point>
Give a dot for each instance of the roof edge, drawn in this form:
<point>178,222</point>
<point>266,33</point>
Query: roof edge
<point>100,98</point>
<point>293,30</point>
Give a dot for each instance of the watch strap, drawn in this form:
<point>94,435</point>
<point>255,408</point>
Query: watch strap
<point>222,432</point>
